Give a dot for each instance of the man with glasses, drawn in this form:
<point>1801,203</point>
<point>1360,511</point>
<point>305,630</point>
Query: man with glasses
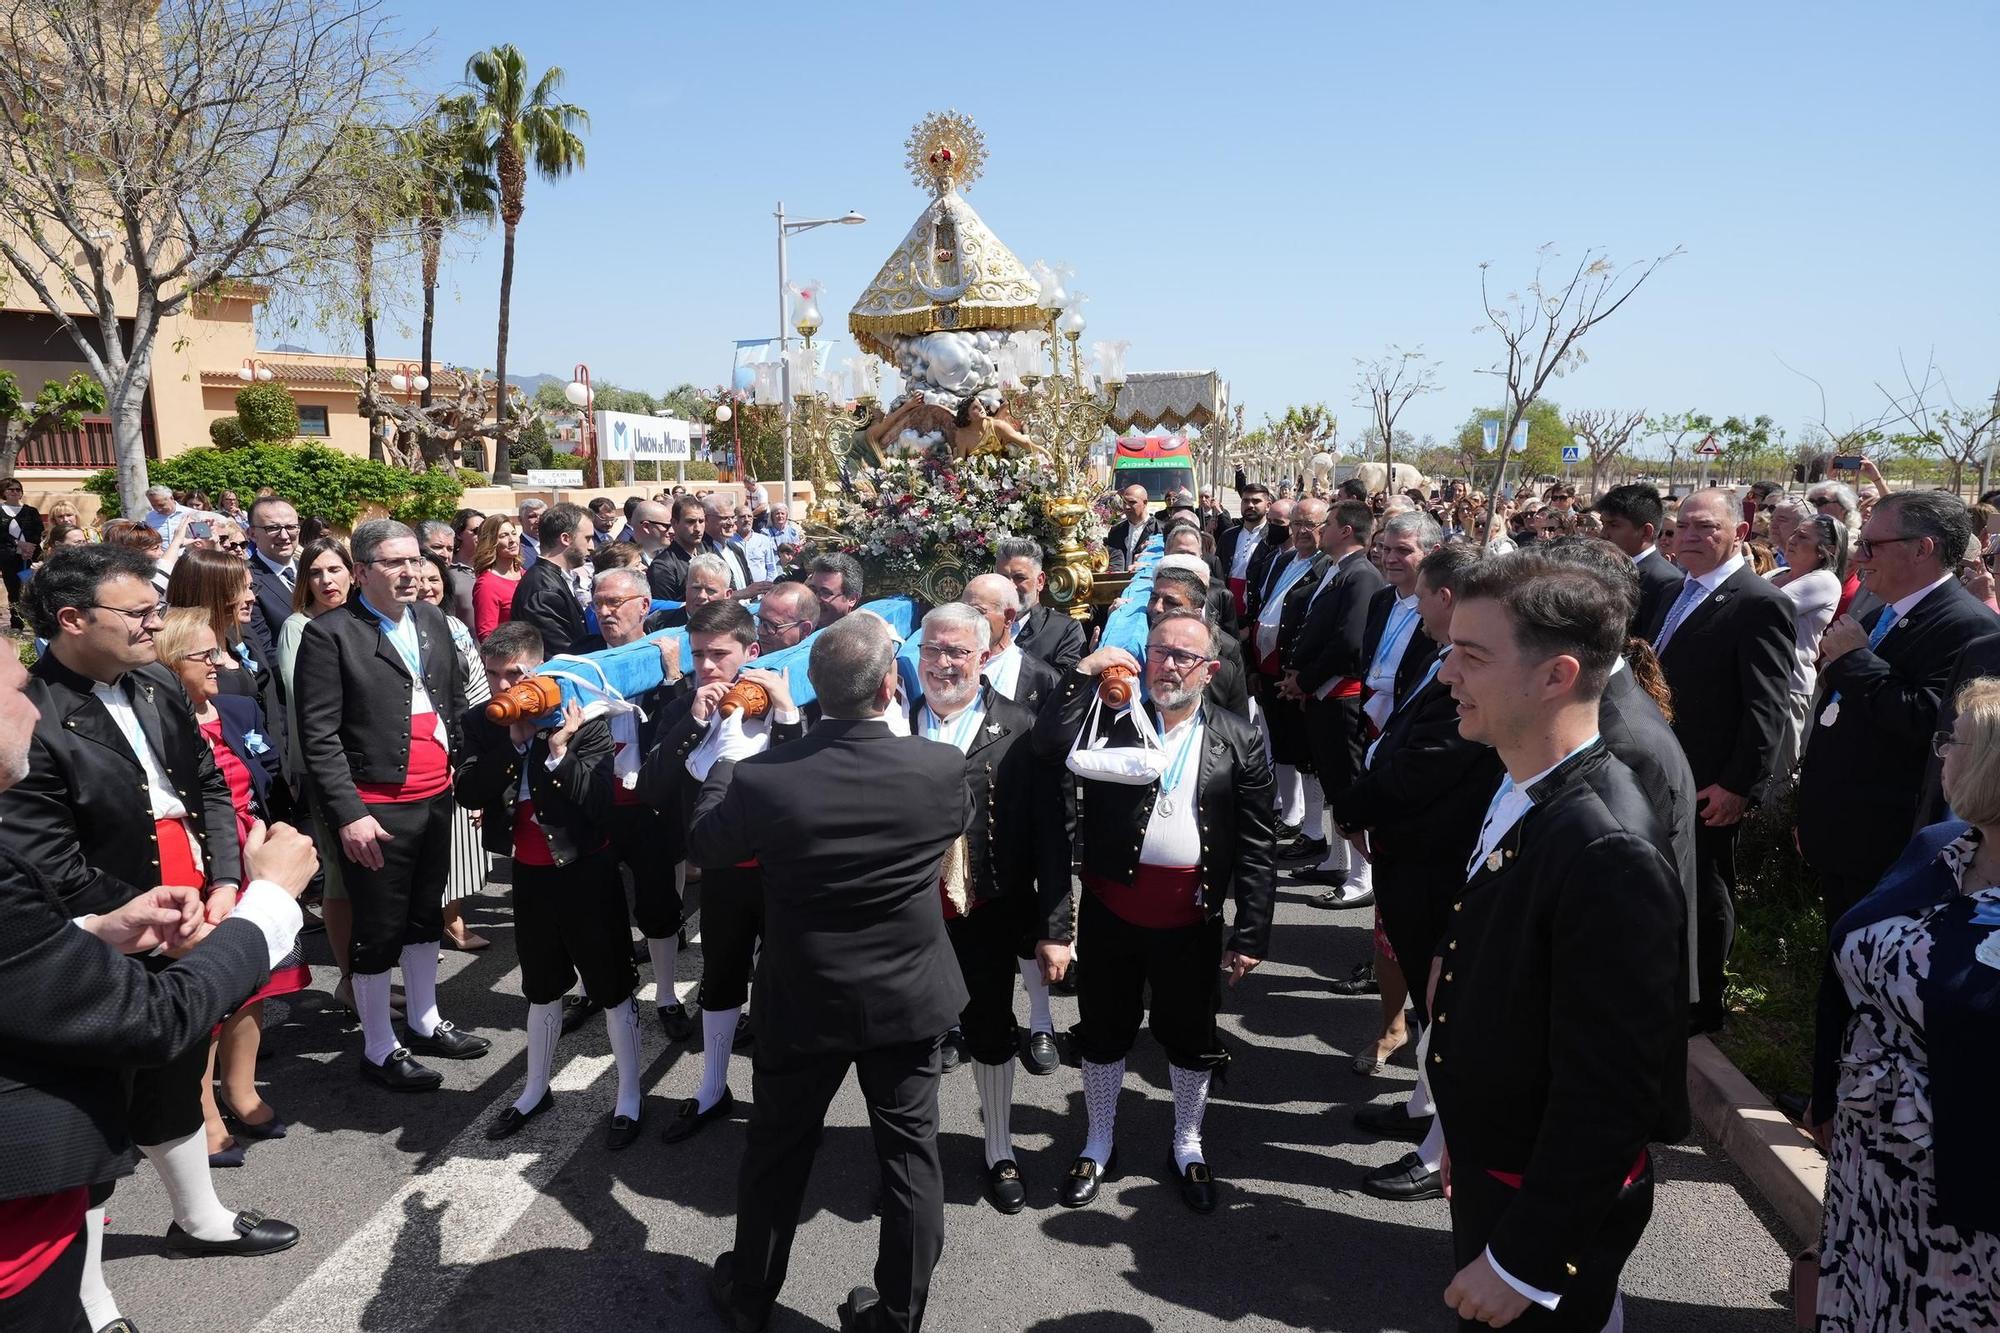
<point>274,561</point>
<point>381,690</point>
<point>1726,643</point>
<point>122,795</point>
<point>1883,677</point>
<point>786,615</point>
<point>652,527</point>
<point>1174,819</point>
<point>836,579</point>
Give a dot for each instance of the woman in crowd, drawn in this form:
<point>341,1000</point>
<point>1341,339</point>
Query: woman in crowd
<point>136,536</point>
<point>1816,563</point>
<point>468,855</point>
<point>498,562</point>
<point>236,732</point>
<point>1904,1076</point>
<point>462,576</point>
<point>326,577</point>
<point>219,585</point>
<point>64,511</point>
<point>1837,501</point>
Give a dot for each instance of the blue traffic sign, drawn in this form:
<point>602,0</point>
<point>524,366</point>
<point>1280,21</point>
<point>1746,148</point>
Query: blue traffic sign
<point>1572,453</point>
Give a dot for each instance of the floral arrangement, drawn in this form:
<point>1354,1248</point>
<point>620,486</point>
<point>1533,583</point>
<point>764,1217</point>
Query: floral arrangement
<point>904,518</point>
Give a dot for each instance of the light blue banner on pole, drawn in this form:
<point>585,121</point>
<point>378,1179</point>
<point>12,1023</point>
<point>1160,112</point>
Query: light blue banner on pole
<point>1521,437</point>
<point>1489,431</point>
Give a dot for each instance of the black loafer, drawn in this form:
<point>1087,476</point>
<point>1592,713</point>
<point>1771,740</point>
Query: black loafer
<point>451,1043</point>
<point>512,1120</point>
<point>1004,1187</point>
<point>677,1022</point>
<point>1079,1187</point>
<point>1404,1180</point>
<point>1198,1188</point>
<point>120,1325</point>
<point>578,1010</point>
<point>1335,901</point>
<point>689,1121</point>
<point>953,1051</point>
<point>722,1295</point>
<point>1305,849</point>
<point>1312,874</point>
<point>853,1311</point>
<point>1392,1122</point>
<point>1361,981</point>
<point>233,1155</point>
<point>401,1073</point>
<point>255,1234</point>
<point>1041,1055</point>
<point>622,1132</point>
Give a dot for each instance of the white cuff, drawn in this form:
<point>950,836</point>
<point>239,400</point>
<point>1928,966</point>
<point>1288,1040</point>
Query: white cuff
<point>1546,1299</point>
<point>784,717</point>
<point>273,911</point>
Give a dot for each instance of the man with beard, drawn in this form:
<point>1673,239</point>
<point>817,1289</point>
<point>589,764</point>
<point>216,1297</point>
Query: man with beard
<point>1008,878</point>
<point>1239,543</point>
<point>1051,634</point>
<point>1175,816</point>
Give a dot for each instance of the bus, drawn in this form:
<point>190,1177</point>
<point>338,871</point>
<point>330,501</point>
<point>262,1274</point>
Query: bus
<point>1161,463</point>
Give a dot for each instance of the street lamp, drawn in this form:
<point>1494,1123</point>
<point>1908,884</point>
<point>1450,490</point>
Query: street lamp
<point>253,369</point>
<point>580,396</point>
<point>785,229</point>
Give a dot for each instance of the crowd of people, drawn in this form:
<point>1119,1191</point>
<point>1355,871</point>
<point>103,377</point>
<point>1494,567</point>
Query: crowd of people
<point>1522,738</point>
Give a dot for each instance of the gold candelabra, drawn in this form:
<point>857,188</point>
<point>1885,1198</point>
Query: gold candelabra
<point>1062,410</point>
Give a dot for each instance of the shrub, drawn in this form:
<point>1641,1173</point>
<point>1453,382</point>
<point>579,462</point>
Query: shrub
<point>227,433</point>
<point>267,413</point>
<point>323,483</point>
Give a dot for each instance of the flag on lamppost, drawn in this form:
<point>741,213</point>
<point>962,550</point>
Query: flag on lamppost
<point>1521,436</point>
<point>1489,431</point>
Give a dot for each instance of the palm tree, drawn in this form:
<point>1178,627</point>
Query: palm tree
<point>447,180</point>
<point>359,148</point>
<point>516,127</point>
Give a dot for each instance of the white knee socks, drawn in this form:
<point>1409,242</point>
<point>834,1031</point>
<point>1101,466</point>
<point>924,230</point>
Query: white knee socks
<point>1431,1151</point>
<point>420,987</point>
<point>544,1026</point>
<point>718,1031</point>
<point>996,1107</point>
<point>1420,1103</point>
<point>1038,996</point>
<point>666,954</point>
<point>1190,1105</point>
<point>99,1307</point>
<point>1360,876</point>
<point>623,1021</point>
<point>371,1001</point>
<point>183,1167</point>
<point>1313,803</point>
<point>1291,795</point>
<point>1101,1084</point>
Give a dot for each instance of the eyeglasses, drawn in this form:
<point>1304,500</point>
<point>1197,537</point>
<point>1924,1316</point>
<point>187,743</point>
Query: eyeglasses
<point>769,626</point>
<point>210,656</point>
<point>401,566</point>
<point>276,528</point>
<point>1942,741</point>
<point>607,604</point>
<point>1865,546</point>
<point>938,653</point>
<point>1178,660</point>
<point>157,611</point>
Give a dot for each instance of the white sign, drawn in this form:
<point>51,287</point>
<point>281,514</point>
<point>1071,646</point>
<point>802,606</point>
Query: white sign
<point>555,478</point>
<point>1709,449</point>
<point>1572,453</point>
<point>622,435</point>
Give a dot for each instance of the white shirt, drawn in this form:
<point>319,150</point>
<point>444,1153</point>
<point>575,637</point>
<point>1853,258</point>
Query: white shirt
<point>1437,664</point>
<point>956,730</point>
<point>1644,552</point>
<point>1247,541</point>
<point>1397,634</point>
<point>281,570</point>
<point>264,905</point>
<point>1003,673</point>
<point>1704,584</point>
<point>1512,801</point>
<point>166,802</point>
<point>1173,840</point>
<point>1273,609</point>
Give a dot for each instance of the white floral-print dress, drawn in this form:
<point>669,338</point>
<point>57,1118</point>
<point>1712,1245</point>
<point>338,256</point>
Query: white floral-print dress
<point>1887,1263</point>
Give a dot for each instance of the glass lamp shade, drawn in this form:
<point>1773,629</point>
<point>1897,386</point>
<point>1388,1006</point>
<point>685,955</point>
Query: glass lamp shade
<point>245,373</point>
<point>722,414</point>
<point>420,383</point>
<point>1051,296</point>
<point>1071,323</point>
<point>804,363</point>
<point>399,382</point>
<point>1111,360</point>
<point>768,386</point>
<point>578,393</point>
<point>805,309</point>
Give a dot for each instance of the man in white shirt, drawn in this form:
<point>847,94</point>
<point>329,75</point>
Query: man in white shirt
<point>1238,544</point>
<point>1010,669</point>
<point>759,551</point>
<point>166,515</point>
<point>274,561</point>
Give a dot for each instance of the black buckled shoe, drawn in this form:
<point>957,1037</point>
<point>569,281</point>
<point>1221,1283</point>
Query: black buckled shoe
<point>401,1073</point>
<point>621,1133</point>
<point>952,1051</point>
<point>853,1312</point>
<point>1005,1188</point>
<point>1361,981</point>
<point>451,1043</point>
<point>1198,1188</point>
<point>722,1295</point>
<point>689,1120</point>
<point>1041,1055</point>
<point>677,1021</point>
<point>1404,1180</point>
<point>578,1010</point>
<point>255,1234</point>
<point>1392,1122</point>
<point>1305,849</point>
<point>120,1325</point>
<point>1079,1187</point>
<point>513,1120</point>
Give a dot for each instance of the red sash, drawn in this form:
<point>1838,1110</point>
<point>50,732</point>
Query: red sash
<point>1158,898</point>
<point>1512,1179</point>
<point>1238,589</point>
<point>34,1232</point>
<point>177,859</point>
<point>429,768</point>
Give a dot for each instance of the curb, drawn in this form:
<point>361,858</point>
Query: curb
<point>1780,1159</point>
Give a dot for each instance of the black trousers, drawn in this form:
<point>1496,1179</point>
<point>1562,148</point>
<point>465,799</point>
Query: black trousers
<point>1333,731</point>
<point>641,841</point>
<point>1184,968</point>
<point>1478,1200</point>
<point>732,921</point>
<point>987,945</point>
<point>164,1103</point>
<point>1414,900</point>
<point>1288,732</point>
<point>403,902</point>
<point>53,1302</point>
<point>569,921</point>
<point>11,569</point>
<point>900,1086</point>
<point>1714,917</point>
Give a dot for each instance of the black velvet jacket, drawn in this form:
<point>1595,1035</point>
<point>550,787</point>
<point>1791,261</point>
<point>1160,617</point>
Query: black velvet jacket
<point>664,781</point>
<point>572,800</point>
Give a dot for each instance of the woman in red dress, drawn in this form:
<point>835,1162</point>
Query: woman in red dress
<point>497,559</point>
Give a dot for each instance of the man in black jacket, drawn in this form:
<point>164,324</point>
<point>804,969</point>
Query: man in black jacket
<point>121,795</point>
<point>1179,590</point>
<point>1884,681</point>
<point>381,691</point>
<point>1050,634</point>
<point>1175,816</point>
<point>274,562</point>
<point>1558,1049</point>
<point>1726,644</point>
<point>546,597</point>
<point>1127,537</point>
<point>1008,880</point>
<point>1633,517</point>
<point>1272,547</point>
<point>851,825</point>
<point>546,796</point>
<point>667,568</point>
<point>1016,673</point>
<point>1239,543</point>
<point>1279,607</point>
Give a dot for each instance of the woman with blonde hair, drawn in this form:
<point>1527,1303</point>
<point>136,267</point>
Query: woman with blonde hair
<point>1906,1086</point>
<point>496,561</point>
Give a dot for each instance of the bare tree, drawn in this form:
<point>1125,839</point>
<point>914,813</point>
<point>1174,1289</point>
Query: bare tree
<point>154,155</point>
<point>1605,434</point>
<point>1860,437</point>
<point>1541,330</point>
<point>1386,385</point>
<point>1963,436</point>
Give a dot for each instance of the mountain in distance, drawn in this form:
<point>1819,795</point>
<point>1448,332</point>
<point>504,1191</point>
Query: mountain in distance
<point>529,383</point>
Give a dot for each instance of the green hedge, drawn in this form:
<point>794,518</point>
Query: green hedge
<point>321,482</point>
<point>1774,966</point>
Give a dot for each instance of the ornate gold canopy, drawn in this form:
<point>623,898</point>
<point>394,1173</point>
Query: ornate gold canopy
<point>951,271</point>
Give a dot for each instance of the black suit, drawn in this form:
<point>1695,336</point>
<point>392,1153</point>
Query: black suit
<point>1980,658</point>
<point>1636,732</point>
<point>1034,681</point>
<point>850,825</point>
<point>274,599</point>
<point>12,562</point>
<point>1114,541</point>
<point>1418,650</point>
<point>1055,636</point>
<point>1329,649</point>
<point>1659,583</point>
<point>546,599</point>
<point>1729,664</point>
<point>1559,1049</point>
<point>1290,743</point>
<point>1276,544</point>
<point>1860,783</point>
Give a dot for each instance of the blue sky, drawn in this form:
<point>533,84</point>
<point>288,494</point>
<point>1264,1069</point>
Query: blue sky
<point>1275,190</point>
